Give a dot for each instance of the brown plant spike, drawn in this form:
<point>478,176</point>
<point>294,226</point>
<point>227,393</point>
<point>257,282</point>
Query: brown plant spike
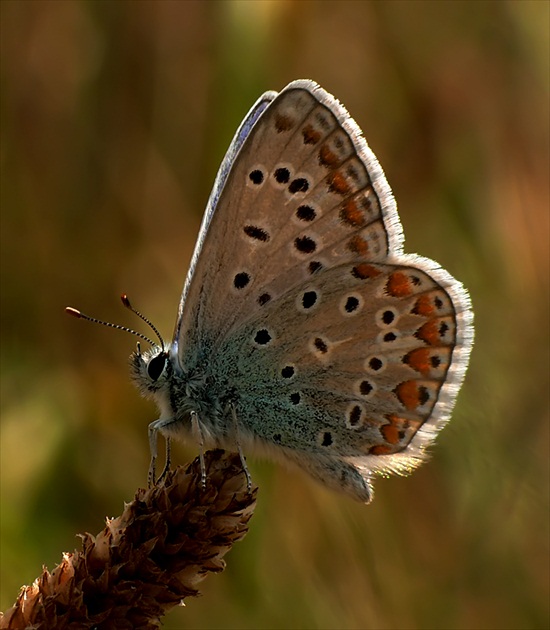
<point>147,560</point>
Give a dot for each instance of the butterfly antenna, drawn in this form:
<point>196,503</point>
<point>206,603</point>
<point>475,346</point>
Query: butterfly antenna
<point>127,304</point>
<point>75,313</point>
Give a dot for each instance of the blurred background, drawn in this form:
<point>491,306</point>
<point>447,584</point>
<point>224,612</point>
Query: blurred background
<point>115,117</point>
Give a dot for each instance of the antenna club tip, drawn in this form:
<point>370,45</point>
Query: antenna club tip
<point>73,311</point>
<point>124,299</point>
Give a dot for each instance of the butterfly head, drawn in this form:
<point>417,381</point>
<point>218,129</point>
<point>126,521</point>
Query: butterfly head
<point>150,370</point>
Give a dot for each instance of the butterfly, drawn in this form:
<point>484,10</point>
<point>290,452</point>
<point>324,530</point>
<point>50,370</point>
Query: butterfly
<point>304,332</point>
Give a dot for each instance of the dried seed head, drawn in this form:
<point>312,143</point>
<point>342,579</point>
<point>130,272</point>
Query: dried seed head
<point>147,560</point>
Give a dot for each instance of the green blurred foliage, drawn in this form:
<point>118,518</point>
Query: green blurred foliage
<point>115,116</point>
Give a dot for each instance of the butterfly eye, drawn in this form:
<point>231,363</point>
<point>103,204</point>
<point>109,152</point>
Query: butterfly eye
<point>156,366</point>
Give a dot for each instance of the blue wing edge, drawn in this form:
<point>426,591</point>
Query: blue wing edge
<point>238,140</point>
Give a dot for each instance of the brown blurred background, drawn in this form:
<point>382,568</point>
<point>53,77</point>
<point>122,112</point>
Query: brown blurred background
<point>115,117</point>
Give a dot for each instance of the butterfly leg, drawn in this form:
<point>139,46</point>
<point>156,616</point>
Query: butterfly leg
<point>153,448</point>
<point>196,428</point>
<point>240,450</point>
<point>154,428</point>
<point>168,461</point>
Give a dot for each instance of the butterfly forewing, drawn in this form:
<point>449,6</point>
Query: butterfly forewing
<point>298,197</point>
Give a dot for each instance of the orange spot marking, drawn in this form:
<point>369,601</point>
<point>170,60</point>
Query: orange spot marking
<point>351,214</point>
<point>391,433</point>
<point>310,135</point>
<point>429,332</point>
<point>419,360</point>
<point>283,123</point>
<point>399,284</point>
<point>358,245</point>
<point>408,394</point>
<point>364,271</point>
<point>327,157</point>
<point>381,449</point>
<point>424,306</point>
<point>399,429</point>
<point>337,183</point>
